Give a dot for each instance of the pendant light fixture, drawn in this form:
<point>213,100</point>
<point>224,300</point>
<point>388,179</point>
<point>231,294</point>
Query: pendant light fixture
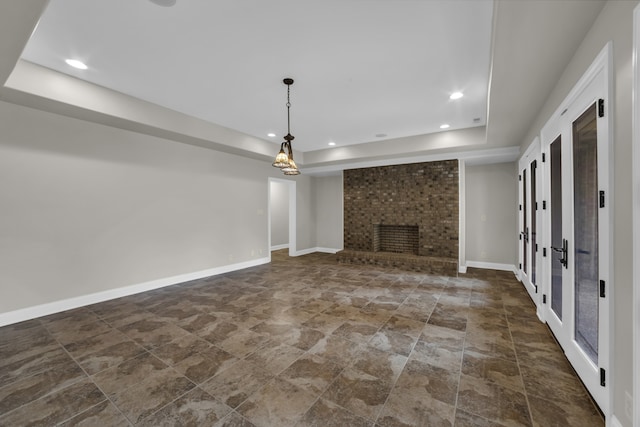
<point>284,159</point>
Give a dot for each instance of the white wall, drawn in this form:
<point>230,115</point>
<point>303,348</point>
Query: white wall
<point>279,209</point>
<point>87,208</point>
<point>491,217</point>
<point>614,23</point>
<point>329,197</point>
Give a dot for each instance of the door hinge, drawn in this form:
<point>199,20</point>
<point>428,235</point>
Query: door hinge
<point>519,177</point>
<point>543,158</point>
<point>519,207</point>
<point>520,236</point>
<point>520,266</point>
<point>603,376</point>
<point>536,205</point>
<point>602,289</point>
<point>602,199</point>
<point>536,247</point>
<point>536,286</point>
<point>544,298</point>
<point>544,252</point>
<point>544,205</point>
<point>600,107</point>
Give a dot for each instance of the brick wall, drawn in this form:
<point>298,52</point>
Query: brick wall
<point>419,194</point>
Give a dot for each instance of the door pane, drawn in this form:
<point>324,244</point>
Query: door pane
<point>585,202</point>
<point>534,207</point>
<point>555,153</point>
<point>525,229</point>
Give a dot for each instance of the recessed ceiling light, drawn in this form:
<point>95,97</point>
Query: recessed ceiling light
<point>445,126</point>
<point>456,95</point>
<point>332,143</point>
<point>271,135</point>
<point>76,64</point>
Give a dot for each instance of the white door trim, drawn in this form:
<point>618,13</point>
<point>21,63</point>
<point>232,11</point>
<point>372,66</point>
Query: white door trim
<point>635,119</point>
<point>292,214</point>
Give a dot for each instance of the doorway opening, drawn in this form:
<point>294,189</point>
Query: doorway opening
<point>282,215</point>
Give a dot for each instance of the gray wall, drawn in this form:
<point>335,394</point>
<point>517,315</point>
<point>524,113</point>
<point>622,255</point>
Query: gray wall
<point>491,219</point>
<point>279,210</point>
<point>615,23</point>
<point>329,227</point>
<point>89,208</point>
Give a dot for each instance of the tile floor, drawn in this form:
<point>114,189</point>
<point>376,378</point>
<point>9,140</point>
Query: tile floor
<point>303,341</point>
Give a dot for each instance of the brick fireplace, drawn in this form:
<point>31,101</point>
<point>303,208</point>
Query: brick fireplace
<point>404,216</point>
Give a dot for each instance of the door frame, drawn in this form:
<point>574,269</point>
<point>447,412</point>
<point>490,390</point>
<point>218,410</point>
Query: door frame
<point>291,185</point>
<point>635,120</point>
<point>524,166</point>
<point>598,75</point>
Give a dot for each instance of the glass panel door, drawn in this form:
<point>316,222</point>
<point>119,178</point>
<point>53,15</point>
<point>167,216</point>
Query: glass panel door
<point>557,260</point>
<point>585,202</point>
<point>534,212</point>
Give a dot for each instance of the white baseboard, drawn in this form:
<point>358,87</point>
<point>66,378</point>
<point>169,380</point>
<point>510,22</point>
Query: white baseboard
<point>615,422</point>
<point>316,249</point>
<point>278,247</point>
<point>462,269</point>
<point>492,266</point>
<point>28,313</point>
<point>328,250</point>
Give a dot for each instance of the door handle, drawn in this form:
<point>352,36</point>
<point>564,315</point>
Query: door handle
<point>565,253</point>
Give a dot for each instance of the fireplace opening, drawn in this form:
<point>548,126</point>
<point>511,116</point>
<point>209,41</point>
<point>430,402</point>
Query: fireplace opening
<point>396,238</point>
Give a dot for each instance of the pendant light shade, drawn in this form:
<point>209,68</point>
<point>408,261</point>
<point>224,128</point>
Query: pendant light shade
<point>284,159</point>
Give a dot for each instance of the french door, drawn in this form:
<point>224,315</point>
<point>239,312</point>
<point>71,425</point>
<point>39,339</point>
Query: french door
<point>529,207</point>
<point>575,147</point>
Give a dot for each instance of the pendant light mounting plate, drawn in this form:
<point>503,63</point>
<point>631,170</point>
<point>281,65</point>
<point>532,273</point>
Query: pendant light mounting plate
<point>288,81</point>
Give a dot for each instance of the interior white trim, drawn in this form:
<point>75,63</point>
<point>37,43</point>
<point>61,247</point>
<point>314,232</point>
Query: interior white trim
<point>492,266</point>
<point>327,250</point>
<point>615,422</point>
<point>278,247</point>
<point>462,216</point>
<point>475,157</point>
<point>635,119</point>
<point>28,313</point>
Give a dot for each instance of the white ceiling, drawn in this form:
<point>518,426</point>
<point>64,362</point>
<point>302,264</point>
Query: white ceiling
<point>361,67</point>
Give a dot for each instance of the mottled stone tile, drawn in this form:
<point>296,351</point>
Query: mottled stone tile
<point>428,380</point>
<point>311,373</point>
<point>203,365</point>
<point>244,342</point>
<point>324,323</point>
<point>195,408</point>
<point>493,402</point>
<point>234,385</point>
<point>499,371</point>
<point>559,387</point>
<point>275,357</point>
<point>551,413</point>
<point>404,325</point>
<point>360,393</point>
<point>356,332</point>
<point>437,355</point>
<point>339,350</point>
<point>415,408</point>
<point>146,397</point>
<point>386,340</point>
<point>104,414</point>
<point>153,333</point>
<point>113,355</point>
<point>199,321</point>
<point>33,363</point>
<point>180,349</point>
<point>491,345</point>
<point>27,389</point>
<point>381,364</point>
<point>448,318</point>
<point>325,413</point>
<point>129,373</point>
<point>465,419</point>
<point>304,338</point>
<point>278,403</point>
<point>235,420</point>
<point>80,332</point>
<point>54,408</point>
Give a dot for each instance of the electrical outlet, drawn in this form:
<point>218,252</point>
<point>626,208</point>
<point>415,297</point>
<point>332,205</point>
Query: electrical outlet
<point>628,405</point>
